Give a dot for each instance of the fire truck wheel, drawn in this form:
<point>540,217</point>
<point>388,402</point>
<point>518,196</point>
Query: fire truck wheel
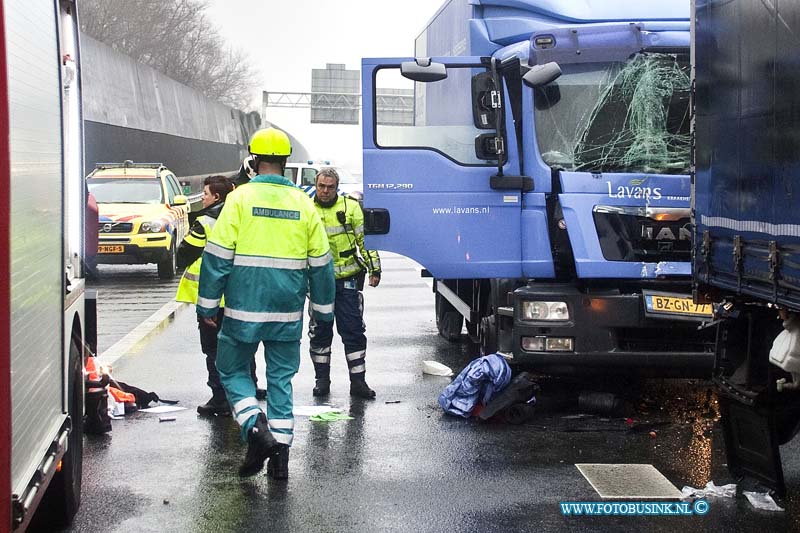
<point>63,496</point>
<point>169,265</point>
<point>449,322</point>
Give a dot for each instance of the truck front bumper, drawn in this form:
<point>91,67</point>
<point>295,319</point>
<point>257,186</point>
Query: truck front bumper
<point>612,333</point>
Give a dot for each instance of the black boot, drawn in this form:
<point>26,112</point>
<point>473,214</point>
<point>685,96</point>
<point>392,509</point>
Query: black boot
<point>217,405</point>
<point>260,446</point>
<point>360,389</point>
<point>278,465</point>
<point>322,387</point>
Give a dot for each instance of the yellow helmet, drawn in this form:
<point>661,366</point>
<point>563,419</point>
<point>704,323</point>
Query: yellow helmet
<point>270,141</point>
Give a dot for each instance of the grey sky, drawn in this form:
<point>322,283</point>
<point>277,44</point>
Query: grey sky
<point>287,39</point>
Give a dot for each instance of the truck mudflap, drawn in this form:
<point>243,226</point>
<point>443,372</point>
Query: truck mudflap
<point>757,414</point>
<point>754,426</point>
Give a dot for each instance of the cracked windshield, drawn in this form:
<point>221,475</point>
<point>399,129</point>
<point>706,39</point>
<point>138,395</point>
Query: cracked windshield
<point>617,117</point>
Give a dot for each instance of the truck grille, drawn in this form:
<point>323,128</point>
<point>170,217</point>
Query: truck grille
<point>643,234</point>
<point>118,227</point>
<point>665,339</point>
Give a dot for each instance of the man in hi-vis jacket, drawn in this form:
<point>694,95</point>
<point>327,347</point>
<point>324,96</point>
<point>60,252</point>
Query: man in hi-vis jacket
<point>352,262</point>
<point>267,250</point>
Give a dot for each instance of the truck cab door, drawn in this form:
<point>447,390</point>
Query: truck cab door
<point>428,191</point>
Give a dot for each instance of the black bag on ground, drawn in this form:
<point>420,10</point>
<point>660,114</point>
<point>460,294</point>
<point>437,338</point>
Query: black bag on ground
<point>515,402</point>
<point>143,398</point>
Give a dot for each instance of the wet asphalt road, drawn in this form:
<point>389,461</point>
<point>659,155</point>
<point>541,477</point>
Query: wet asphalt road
<point>126,296</point>
<point>398,466</point>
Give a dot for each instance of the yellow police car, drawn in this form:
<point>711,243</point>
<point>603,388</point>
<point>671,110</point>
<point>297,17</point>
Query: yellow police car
<point>143,215</point>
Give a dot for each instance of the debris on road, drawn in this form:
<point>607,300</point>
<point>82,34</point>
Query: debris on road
<point>601,403</point>
<point>312,410</point>
<point>163,409</point>
<point>116,410</point>
<point>330,416</point>
<point>476,385</point>
<point>435,368</point>
<point>762,501</point>
<point>108,399</point>
<point>515,403</point>
<point>141,397</point>
<point>718,491</point>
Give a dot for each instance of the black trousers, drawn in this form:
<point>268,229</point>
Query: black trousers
<point>208,343</point>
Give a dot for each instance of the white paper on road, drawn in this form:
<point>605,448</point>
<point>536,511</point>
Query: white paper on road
<point>162,409</point>
<point>116,410</point>
<point>311,410</point>
<point>762,500</point>
<point>711,489</point>
<point>436,368</point>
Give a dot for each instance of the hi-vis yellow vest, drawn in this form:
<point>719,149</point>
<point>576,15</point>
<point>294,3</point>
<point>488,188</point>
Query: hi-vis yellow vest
<point>188,286</point>
<point>347,240</point>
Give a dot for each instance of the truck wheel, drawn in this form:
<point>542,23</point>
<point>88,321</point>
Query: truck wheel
<point>488,335</point>
<point>63,496</point>
<point>169,265</point>
<point>448,321</point>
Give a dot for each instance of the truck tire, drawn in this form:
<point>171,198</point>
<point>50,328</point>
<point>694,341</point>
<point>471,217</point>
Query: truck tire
<point>449,322</point>
<point>488,335</point>
<point>63,496</point>
<point>169,265</point>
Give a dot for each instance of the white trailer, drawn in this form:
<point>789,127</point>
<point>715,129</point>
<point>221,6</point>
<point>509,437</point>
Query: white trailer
<point>43,316</point>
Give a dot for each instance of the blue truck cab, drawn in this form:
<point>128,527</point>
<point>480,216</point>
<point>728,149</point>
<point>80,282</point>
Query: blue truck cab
<point>534,158</point>
<point>747,223</point>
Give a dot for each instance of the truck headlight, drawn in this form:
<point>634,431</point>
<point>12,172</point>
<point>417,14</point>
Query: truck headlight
<point>153,226</point>
<point>549,311</point>
<point>547,344</point>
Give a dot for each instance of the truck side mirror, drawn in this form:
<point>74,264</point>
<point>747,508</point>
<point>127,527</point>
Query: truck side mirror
<point>541,75</point>
<point>484,110</point>
<point>423,70</point>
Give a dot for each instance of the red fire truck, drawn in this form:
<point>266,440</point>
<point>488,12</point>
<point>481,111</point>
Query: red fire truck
<point>44,317</point>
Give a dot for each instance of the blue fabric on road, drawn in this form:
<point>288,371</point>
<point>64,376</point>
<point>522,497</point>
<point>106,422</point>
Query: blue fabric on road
<point>478,382</point>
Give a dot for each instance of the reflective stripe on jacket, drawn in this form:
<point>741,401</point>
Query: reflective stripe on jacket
<point>188,286</point>
<point>266,251</point>
<point>347,240</point>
